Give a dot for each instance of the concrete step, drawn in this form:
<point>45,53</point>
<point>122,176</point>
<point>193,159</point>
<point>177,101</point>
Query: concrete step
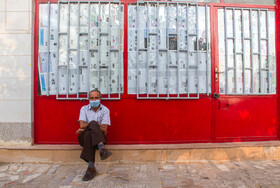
<point>163,153</point>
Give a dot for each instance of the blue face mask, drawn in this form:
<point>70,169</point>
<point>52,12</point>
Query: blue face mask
<point>94,104</point>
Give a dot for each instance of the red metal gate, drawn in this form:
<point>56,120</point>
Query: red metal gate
<point>242,118</point>
<point>228,118</point>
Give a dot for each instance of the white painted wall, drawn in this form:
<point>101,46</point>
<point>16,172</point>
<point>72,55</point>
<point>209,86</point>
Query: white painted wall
<point>16,70</point>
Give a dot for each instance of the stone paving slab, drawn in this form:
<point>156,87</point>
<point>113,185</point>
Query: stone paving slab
<point>209,174</point>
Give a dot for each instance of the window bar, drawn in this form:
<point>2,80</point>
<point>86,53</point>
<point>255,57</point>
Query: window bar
<point>48,54</point>
<point>148,49</point>
<point>68,38</point>
<point>243,51</point>
<point>207,51</point>
<point>88,62</point>
<point>119,50</point>
<point>268,51</point>
<point>260,59</point>
<point>98,42</point>
<point>157,50</point>
<point>188,51</point>
<point>167,54</point>
<point>137,46</point>
<point>252,54</point>
<point>78,50</point>
<point>246,94</point>
<point>226,51</point>
<point>58,30</point>
<point>234,50</point>
<point>197,50</point>
<point>168,98</point>
<point>109,53</point>
<point>177,51</point>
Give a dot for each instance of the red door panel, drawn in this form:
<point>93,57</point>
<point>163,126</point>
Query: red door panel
<point>246,118</point>
<point>133,121</point>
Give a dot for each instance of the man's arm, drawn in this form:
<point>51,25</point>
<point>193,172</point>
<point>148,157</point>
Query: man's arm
<point>83,124</point>
<point>105,123</point>
<point>104,128</point>
<point>82,120</point>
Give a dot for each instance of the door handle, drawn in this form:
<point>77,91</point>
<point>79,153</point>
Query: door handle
<point>216,74</point>
<point>216,95</point>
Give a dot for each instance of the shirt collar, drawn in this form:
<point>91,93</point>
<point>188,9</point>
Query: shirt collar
<point>100,108</point>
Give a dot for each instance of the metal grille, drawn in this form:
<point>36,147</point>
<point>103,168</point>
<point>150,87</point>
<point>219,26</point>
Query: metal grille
<point>80,49</point>
<point>172,50</point>
<point>247,64</point>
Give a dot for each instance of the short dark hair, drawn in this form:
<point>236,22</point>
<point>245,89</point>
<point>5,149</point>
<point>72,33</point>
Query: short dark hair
<point>95,90</point>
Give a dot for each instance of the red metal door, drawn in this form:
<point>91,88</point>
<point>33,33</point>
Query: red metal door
<point>240,117</point>
<point>230,118</point>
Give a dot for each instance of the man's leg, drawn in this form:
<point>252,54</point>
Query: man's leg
<point>88,154</point>
<point>91,137</point>
<point>98,138</point>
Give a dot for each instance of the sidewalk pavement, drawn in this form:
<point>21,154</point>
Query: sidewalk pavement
<point>242,174</point>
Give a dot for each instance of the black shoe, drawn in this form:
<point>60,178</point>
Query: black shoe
<point>104,154</point>
<point>90,174</point>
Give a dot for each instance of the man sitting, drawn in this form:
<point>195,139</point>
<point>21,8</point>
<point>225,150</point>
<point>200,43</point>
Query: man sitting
<point>94,121</point>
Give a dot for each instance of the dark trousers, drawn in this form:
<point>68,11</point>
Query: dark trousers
<point>89,140</point>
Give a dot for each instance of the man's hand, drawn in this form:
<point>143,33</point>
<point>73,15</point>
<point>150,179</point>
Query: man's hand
<point>79,131</point>
<point>83,124</point>
<point>104,128</point>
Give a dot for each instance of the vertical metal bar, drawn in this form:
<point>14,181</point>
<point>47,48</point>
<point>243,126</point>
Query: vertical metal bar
<point>188,52</point>
<point>207,51</point>
<point>119,50</point>
<point>148,48</point>
<point>48,53</point>
<point>58,30</point>
<point>78,50</point>
<point>137,46</point>
<point>167,54</point>
<point>260,59</point>
<point>226,50</point>
<point>88,63</point>
<point>109,53</point>
<point>157,51</point>
<point>68,38</point>
<point>177,51</point>
<point>98,42</point>
<point>252,54</point>
<point>234,40</point>
<point>197,50</point>
<point>243,50</point>
<point>268,51</point>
